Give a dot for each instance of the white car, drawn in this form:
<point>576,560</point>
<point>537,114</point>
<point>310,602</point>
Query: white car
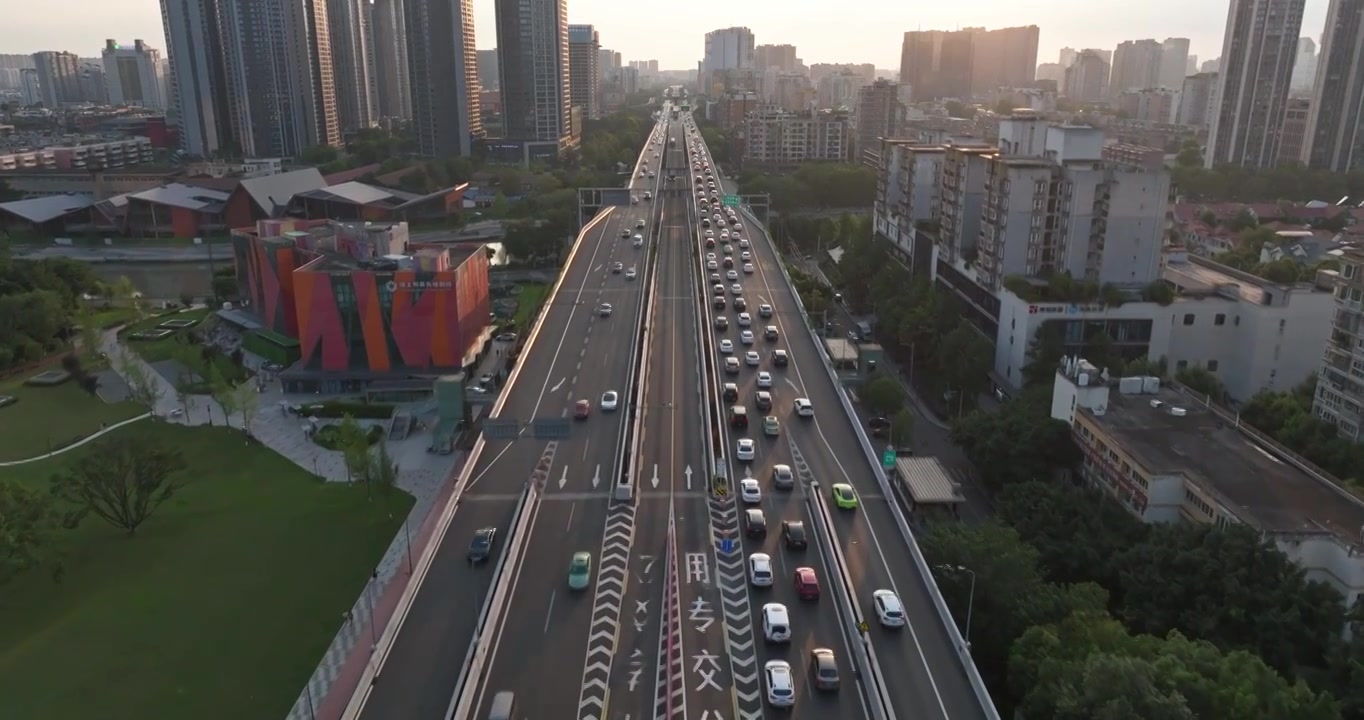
<point>781,684</point>
<point>710,233</point>
<point>746,337</point>
<point>888,608</point>
<point>639,223</point>
<point>748,268</point>
<point>760,569</point>
<point>743,242</point>
<point>745,256</point>
<point>639,241</point>
<point>726,347</point>
<point>736,289</point>
<point>751,357</point>
<point>776,623</point>
<point>710,256</point>
<point>738,227</point>
<point>609,400</point>
<point>804,407</point>
<point>724,234</point>
<point>745,319</point>
<point>732,275</point>
<point>764,379</point>
<point>746,452</point>
<point>712,265</point>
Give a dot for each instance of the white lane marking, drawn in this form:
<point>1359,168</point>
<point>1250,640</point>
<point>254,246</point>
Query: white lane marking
<point>654,481</point>
<point>918,646</point>
<point>563,479</point>
<point>596,476</point>
<point>549,614</point>
<point>558,385</point>
<point>688,474</point>
<point>571,509</point>
<point>587,445</point>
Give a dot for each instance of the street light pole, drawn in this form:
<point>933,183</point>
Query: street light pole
<point>970,600</point>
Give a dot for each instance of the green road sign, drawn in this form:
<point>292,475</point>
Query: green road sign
<point>888,458</point>
<point>731,200</point>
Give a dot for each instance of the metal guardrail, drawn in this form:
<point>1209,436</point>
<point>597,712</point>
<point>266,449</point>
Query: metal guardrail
<point>855,625</point>
<point>508,568</point>
<point>374,669</point>
<point>874,461</point>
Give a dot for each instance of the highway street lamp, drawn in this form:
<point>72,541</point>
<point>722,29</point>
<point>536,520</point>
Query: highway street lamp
<point>971,598</point>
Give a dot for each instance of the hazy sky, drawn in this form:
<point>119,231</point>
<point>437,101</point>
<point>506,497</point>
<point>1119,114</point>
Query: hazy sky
<point>631,27</point>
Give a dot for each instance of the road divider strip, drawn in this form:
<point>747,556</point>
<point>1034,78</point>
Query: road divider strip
<point>374,669</point>
<point>481,648</point>
<point>873,459</point>
<point>854,624</point>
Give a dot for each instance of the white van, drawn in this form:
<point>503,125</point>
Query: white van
<point>776,623</point>
<point>503,706</point>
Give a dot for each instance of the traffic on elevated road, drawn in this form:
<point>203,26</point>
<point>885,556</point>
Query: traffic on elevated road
<point>670,513</point>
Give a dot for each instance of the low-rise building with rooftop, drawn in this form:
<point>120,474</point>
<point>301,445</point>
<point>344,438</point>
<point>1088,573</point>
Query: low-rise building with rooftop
<point>1167,457</point>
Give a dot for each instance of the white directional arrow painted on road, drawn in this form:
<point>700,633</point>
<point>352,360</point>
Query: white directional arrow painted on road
<point>655,479</point>
<point>688,474</point>
<point>558,385</point>
<point>563,479</point>
<point>748,472</point>
<point>596,476</point>
<point>793,384</point>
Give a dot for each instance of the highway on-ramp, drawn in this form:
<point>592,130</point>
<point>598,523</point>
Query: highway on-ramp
<point>576,354</point>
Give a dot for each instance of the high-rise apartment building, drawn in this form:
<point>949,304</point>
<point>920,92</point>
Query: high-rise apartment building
<point>94,85</point>
<point>880,114</point>
<point>936,64</point>
<point>1067,56</point>
<point>353,62</point>
<point>532,46</point>
<point>1174,63</point>
<point>1334,139</point>
<point>1087,78</point>
<point>279,69</point>
<point>1258,51</point>
<point>1305,67</point>
<point>59,77</point>
<point>487,69</point>
<point>1006,57</point>
<point>1156,105</point>
<point>584,77</point>
<point>1340,381</point>
<point>782,57</point>
<point>1136,66</point>
<point>30,88</point>
<point>392,82</point>
<point>199,86</point>
<point>781,139</point>
<point>1196,100</point>
<point>443,75</point>
<point>1293,137</point>
<point>727,49</point>
<point>133,74</point>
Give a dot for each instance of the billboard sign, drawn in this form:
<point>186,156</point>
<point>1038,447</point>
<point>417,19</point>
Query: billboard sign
<point>420,285</point>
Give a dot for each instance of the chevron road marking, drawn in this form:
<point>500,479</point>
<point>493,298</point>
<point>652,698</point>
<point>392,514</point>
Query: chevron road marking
<point>732,582</point>
<point>604,629</point>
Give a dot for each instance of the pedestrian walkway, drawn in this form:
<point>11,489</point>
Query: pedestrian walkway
<point>75,445</point>
<point>422,474</point>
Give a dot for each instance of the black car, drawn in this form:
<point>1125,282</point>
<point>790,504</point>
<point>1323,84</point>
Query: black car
<point>793,533</point>
<point>739,303</point>
<point>755,524</point>
<point>481,547</point>
<point>878,426</point>
<point>824,669</point>
<point>731,392</point>
<point>779,358</point>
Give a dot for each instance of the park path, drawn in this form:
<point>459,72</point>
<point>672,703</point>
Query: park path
<point>428,477</point>
<point>74,445</point>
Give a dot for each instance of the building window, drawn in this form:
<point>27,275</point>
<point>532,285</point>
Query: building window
<point>1220,319</point>
<point>1212,366</point>
<point>1188,318</point>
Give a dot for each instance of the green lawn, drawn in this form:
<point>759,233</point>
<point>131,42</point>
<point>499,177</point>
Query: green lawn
<point>167,349</point>
<point>111,316</point>
<point>528,300</point>
<point>220,607</point>
<point>51,417</point>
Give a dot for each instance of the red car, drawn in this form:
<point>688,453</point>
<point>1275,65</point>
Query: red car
<point>710,242</point>
<point>582,409</point>
<point>807,583</point>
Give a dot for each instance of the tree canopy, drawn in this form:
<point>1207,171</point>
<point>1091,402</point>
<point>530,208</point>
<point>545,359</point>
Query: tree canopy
<point>815,186</point>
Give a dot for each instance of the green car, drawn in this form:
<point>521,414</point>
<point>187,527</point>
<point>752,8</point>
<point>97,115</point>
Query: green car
<point>844,497</point>
<point>771,426</point>
<point>580,571</point>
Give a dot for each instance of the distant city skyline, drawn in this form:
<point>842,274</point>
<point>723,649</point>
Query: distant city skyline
<point>83,26</point>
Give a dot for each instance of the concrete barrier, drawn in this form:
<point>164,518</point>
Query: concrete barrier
<point>485,632</point>
<point>372,672</point>
<point>874,461</point>
<point>637,377</point>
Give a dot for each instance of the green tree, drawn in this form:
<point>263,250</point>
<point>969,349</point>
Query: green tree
<point>317,155</point>
<point>882,395</point>
<point>1077,530</point>
<point>9,194</point>
<point>353,443</point>
<point>1087,666</point>
<point>221,390</point>
<point>90,334</point>
<point>381,470</point>
<point>1020,442</point>
<point>28,525</point>
<point>964,360</point>
<point>902,428</point>
<point>121,481</point>
<point>246,400</point>
<point>1201,380</point>
<point>143,388</point>
<point>1010,592</point>
<point>1261,602</point>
